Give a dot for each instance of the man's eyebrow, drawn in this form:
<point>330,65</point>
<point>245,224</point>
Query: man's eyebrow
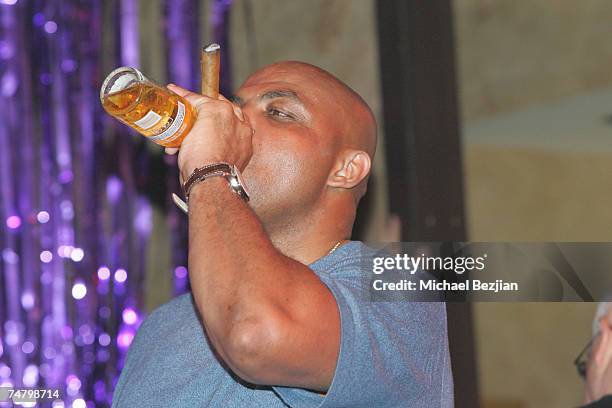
<point>280,93</point>
<point>273,94</point>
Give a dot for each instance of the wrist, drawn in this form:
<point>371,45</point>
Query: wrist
<point>204,187</point>
<point>188,168</point>
<point>224,170</point>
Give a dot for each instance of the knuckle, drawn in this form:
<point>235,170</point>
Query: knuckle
<point>197,103</point>
<point>226,107</point>
<point>193,98</point>
<point>215,107</point>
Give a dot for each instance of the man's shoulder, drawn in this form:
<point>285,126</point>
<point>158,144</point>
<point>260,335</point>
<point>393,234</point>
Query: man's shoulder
<point>351,267</point>
<point>169,325</point>
<point>349,259</point>
<point>175,310</point>
<point>179,304</point>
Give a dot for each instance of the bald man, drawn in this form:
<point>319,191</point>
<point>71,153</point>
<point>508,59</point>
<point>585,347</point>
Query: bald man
<point>277,315</point>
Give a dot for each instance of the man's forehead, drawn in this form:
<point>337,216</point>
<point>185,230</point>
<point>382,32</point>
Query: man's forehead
<point>312,85</point>
<point>289,72</point>
<point>308,93</point>
<point>261,87</point>
<point>303,92</point>
<point>301,78</point>
<point>265,81</point>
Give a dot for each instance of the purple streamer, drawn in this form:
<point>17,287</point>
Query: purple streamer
<point>10,258</point>
<point>183,60</point>
<point>220,21</point>
<point>129,33</point>
<point>75,227</point>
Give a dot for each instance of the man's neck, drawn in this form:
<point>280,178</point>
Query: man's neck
<point>308,252</point>
<point>311,235</point>
<point>306,243</point>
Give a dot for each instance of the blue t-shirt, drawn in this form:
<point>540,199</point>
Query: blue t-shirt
<point>392,354</point>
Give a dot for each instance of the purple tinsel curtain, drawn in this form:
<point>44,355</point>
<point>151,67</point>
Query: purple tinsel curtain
<point>183,61</point>
<point>75,188</point>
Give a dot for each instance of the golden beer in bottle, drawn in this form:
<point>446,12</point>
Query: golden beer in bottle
<point>153,111</point>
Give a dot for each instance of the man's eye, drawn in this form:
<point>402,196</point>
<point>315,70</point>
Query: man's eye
<point>277,113</point>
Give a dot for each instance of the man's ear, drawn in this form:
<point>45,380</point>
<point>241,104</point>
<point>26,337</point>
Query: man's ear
<point>351,167</point>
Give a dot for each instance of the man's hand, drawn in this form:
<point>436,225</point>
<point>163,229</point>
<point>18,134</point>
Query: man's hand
<point>599,369</point>
<point>221,133</point>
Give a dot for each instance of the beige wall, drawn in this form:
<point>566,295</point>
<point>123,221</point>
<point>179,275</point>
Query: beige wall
<point>514,53</point>
<point>535,169</point>
<point>516,194</point>
<point>526,352</point>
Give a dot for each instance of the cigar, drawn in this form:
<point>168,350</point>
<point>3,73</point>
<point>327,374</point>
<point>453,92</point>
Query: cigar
<point>210,65</point>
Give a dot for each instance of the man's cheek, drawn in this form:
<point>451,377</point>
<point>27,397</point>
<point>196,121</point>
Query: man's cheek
<point>266,172</point>
<point>283,163</point>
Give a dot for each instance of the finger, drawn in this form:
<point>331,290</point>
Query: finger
<point>193,98</point>
<point>237,109</point>
<point>171,150</point>
<point>181,91</point>
<point>198,100</point>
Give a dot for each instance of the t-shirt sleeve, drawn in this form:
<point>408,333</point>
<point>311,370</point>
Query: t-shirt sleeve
<point>392,353</point>
<point>134,355</point>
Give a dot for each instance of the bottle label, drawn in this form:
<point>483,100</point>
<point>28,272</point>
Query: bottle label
<point>174,127</point>
<point>148,121</point>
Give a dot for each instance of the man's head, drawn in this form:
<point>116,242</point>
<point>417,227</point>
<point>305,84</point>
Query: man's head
<point>313,144</point>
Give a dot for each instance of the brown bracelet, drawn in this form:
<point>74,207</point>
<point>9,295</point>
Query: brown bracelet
<point>202,173</point>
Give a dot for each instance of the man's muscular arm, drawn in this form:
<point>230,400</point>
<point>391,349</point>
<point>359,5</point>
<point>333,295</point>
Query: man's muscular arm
<point>268,316</point>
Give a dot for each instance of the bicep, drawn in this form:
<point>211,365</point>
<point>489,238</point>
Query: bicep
<point>305,338</point>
